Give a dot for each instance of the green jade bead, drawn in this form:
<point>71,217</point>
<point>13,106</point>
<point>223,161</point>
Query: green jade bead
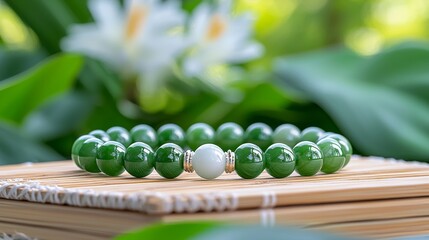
<point>139,160</point>
<point>171,133</point>
<point>199,134</point>
<point>288,134</point>
<point>279,160</point>
<point>88,155</point>
<point>100,134</point>
<point>259,134</point>
<point>169,160</point>
<point>333,157</point>
<point>119,134</point>
<point>249,161</point>
<point>229,136</point>
<point>76,147</point>
<point>346,147</point>
<point>144,133</point>
<point>312,134</point>
<point>309,158</point>
<point>110,158</point>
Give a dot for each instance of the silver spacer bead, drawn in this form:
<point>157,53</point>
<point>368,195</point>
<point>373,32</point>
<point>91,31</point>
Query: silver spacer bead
<point>187,161</point>
<point>230,161</point>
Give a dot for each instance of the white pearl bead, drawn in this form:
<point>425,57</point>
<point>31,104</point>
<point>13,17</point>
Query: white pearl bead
<point>209,161</point>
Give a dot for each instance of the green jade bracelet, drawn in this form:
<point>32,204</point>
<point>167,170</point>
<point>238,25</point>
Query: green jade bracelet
<point>209,154</point>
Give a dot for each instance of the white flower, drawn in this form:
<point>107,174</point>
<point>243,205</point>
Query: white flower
<point>139,39</point>
<point>217,38</point>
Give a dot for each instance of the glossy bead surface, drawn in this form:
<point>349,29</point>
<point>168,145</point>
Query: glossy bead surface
<point>279,160</point>
<point>169,160</point>
<point>171,133</point>
<point>100,134</point>
<point>119,134</point>
<point>288,134</point>
<point>144,133</point>
<point>259,134</point>
<point>76,147</point>
<point>346,147</point>
<point>110,158</point>
<point>229,136</point>
<point>199,134</point>
<point>139,160</point>
<point>309,158</point>
<point>249,161</point>
<point>209,161</point>
<point>312,134</point>
<point>333,157</point>
<point>88,155</point>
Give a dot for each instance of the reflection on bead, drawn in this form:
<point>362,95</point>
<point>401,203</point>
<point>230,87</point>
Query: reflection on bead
<point>259,134</point>
<point>119,134</point>
<point>346,147</point>
<point>312,134</point>
<point>199,134</point>
<point>144,133</point>
<point>110,158</point>
<point>333,157</point>
<point>288,134</point>
<point>76,147</point>
<point>171,133</point>
<point>100,134</point>
<point>249,161</point>
<point>309,158</point>
<point>169,160</point>
<point>139,159</point>
<point>279,160</point>
<point>229,136</point>
<point>88,154</point>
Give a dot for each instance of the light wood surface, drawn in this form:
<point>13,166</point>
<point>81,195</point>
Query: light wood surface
<point>373,219</point>
<point>363,179</point>
<point>372,197</point>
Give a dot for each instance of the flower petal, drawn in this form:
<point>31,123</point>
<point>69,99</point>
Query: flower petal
<point>106,12</point>
<point>247,52</point>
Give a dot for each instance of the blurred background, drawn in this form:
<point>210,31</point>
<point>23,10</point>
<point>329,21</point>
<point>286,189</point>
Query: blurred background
<point>356,67</point>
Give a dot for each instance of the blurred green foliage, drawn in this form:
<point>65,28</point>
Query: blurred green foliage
<point>378,101</point>
<point>381,102</point>
<point>25,92</point>
<point>215,230</point>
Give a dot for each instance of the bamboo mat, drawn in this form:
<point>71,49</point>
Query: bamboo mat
<point>62,183</point>
<point>373,219</point>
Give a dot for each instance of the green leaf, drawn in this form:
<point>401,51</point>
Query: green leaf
<point>25,92</point>
<point>162,231</point>
<point>233,232</point>
<point>50,19</point>
<point>59,116</point>
<point>215,230</point>
<point>17,148</point>
<point>379,102</point>
<point>13,62</point>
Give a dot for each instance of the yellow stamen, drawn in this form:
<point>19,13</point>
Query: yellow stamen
<point>135,19</point>
<point>216,27</point>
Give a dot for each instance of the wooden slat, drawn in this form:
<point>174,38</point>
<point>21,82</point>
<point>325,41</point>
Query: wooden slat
<point>372,197</point>
<point>374,219</point>
<point>363,179</point>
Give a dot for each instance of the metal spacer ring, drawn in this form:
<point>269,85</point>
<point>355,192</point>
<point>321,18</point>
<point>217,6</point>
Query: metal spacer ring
<point>187,161</point>
<point>230,161</point>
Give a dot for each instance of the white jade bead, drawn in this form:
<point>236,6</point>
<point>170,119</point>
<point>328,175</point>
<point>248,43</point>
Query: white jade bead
<point>209,161</point>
